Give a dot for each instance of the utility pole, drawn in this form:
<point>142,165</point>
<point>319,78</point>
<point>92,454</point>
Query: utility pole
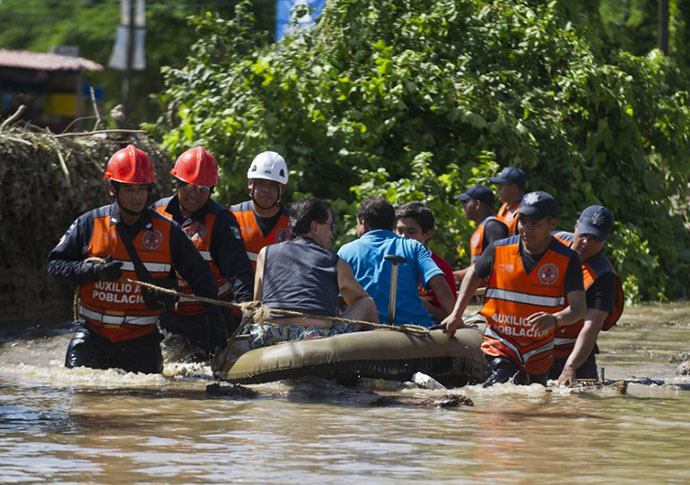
<point>127,81</point>
<point>662,23</point>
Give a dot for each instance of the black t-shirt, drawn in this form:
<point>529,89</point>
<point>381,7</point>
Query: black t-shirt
<point>266,224</point>
<point>601,294</point>
<point>573,275</point>
<point>493,231</point>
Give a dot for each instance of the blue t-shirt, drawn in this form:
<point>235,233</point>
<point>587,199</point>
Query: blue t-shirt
<point>365,257</point>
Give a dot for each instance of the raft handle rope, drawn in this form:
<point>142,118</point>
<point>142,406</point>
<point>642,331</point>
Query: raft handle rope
<point>256,310</point>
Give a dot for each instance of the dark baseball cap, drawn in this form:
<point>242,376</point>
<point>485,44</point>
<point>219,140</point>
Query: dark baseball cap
<point>479,192</point>
<point>595,220</point>
<point>537,205</point>
<point>510,175</point>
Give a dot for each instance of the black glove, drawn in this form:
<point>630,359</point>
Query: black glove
<point>151,299</point>
<point>108,271</point>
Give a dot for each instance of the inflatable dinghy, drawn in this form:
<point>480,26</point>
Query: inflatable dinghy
<point>383,354</point>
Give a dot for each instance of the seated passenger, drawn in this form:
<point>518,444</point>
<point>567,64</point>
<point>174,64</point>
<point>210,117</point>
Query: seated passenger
<point>375,221</point>
<point>301,275</point>
<point>415,220</point>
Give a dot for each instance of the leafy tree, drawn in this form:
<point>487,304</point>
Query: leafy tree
<point>420,98</point>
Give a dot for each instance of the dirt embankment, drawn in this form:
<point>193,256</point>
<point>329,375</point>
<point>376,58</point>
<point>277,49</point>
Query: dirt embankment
<point>46,181</point>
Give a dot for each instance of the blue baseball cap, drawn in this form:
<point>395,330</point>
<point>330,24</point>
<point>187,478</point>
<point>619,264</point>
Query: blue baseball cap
<point>510,175</point>
<point>537,205</point>
<point>478,192</point>
<point>595,220</point>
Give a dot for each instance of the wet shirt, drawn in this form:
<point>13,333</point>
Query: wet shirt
<point>447,273</point>
<point>366,258</point>
<point>302,276</point>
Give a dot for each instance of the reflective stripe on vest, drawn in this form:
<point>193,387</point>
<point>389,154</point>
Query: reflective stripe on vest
<point>117,319</point>
<point>515,296</point>
<point>150,267</point>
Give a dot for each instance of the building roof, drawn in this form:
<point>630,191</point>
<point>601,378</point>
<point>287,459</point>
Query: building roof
<point>43,61</point>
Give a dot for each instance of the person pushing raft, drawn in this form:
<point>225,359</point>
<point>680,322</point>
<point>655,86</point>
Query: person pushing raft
<point>214,232</point>
<point>575,346</point>
<point>535,287</point>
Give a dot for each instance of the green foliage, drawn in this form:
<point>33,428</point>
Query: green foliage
<point>418,99</point>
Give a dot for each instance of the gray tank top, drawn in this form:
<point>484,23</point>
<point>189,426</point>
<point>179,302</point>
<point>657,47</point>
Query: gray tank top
<point>300,275</point>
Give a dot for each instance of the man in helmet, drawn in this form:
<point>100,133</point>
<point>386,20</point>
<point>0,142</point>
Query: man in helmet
<point>116,326</point>
<point>215,233</point>
<point>262,219</point>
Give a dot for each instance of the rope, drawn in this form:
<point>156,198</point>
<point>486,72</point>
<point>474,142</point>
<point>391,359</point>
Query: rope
<point>259,313</point>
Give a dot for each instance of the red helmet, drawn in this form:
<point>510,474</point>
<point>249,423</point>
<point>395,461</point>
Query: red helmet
<point>196,166</point>
<point>130,166</point>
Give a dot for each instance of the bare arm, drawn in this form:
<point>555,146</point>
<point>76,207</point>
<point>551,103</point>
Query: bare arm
<point>259,275</point>
<point>349,288</point>
<point>438,313</point>
<point>469,285</point>
<point>442,291</point>
<point>459,274</point>
<point>594,320</point>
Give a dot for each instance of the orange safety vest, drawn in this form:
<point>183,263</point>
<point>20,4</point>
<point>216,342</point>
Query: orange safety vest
<point>512,295</point>
<point>508,215</point>
<point>477,239</point>
<point>116,309</point>
<point>200,235</point>
<point>565,338</point>
<point>253,239</point>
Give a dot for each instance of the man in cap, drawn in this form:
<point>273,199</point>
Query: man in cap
<point>262,219</point>
<point>535,287</point>
<point>214,232</point>
<point>511,188</point>
<point>575,346</point>
<point>116,326</point>
<point>478,202</point>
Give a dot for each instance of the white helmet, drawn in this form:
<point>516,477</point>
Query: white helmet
<point>269,166</point>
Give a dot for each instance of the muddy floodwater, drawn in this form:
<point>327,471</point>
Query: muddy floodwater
<point>86,426</point>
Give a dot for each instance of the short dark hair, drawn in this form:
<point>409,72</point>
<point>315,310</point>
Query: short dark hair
<point>377,213</point>
<point>419,212</point>
<point>305,211</point>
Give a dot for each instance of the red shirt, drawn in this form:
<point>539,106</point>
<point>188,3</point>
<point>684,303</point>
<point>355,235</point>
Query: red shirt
<point>447,272</point>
